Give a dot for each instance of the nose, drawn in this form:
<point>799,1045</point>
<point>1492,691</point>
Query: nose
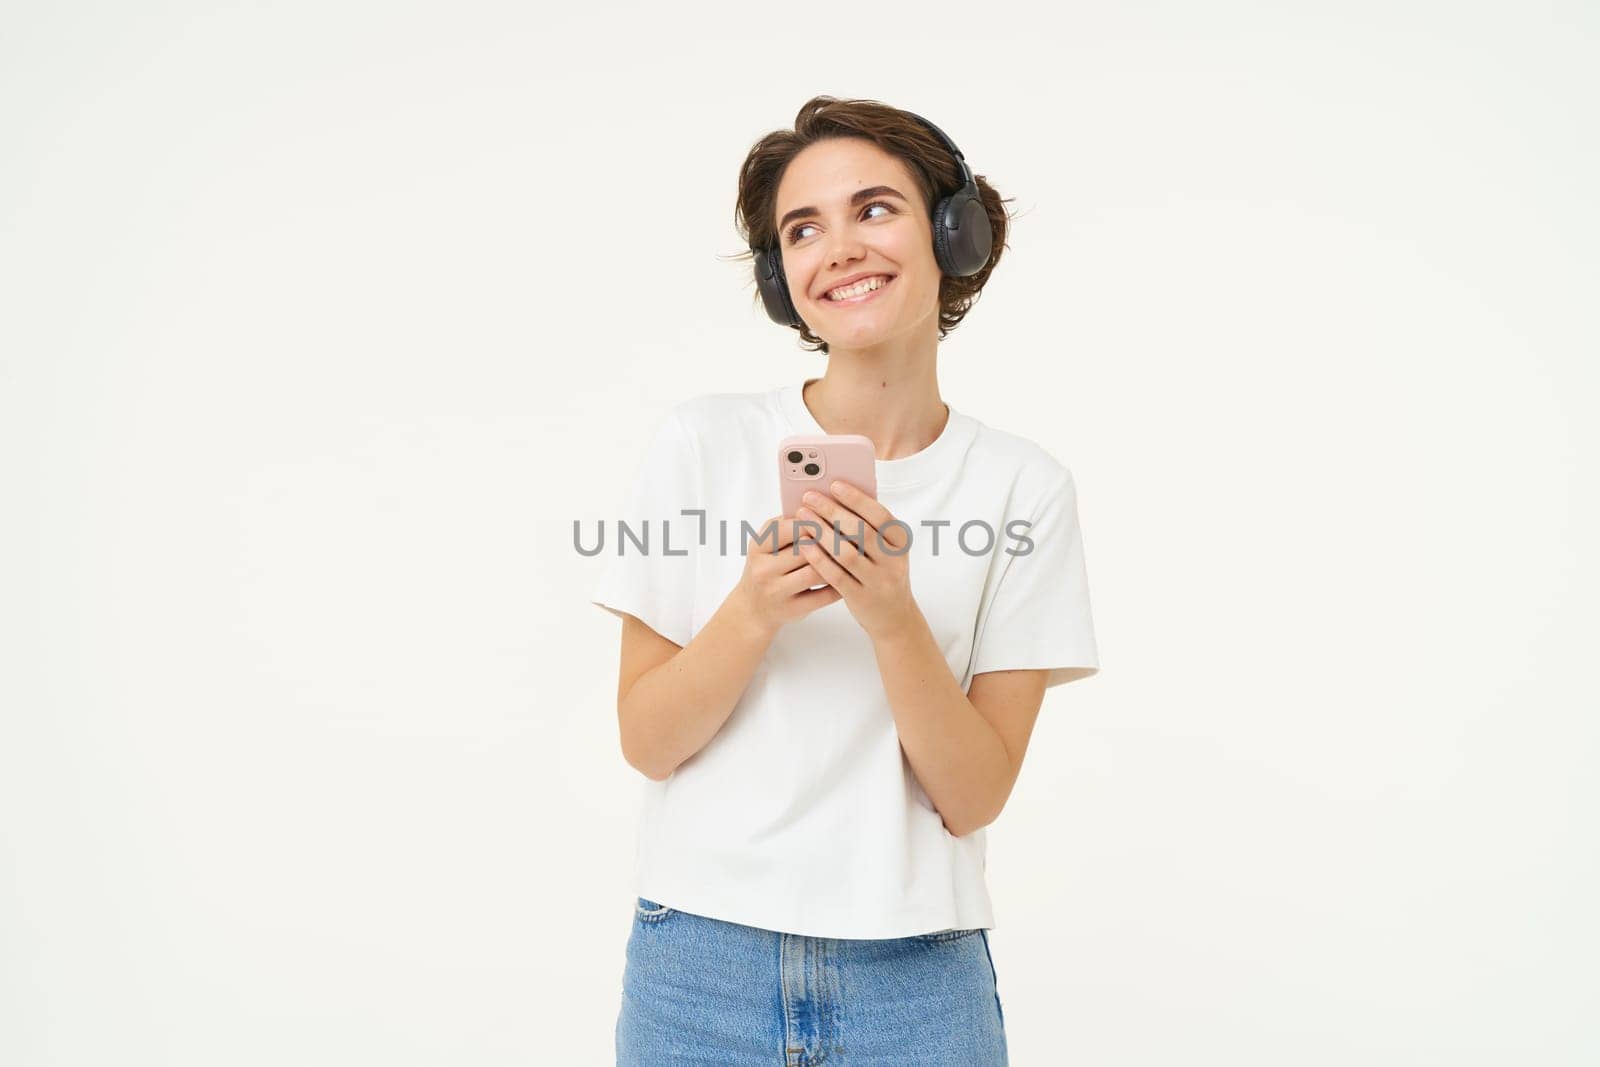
<point>844,248</point>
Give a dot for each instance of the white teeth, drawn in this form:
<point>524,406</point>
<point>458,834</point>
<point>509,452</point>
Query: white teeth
<point>867,285</point>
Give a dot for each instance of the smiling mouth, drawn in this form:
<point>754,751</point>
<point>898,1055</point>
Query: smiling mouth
<point>863,298</point>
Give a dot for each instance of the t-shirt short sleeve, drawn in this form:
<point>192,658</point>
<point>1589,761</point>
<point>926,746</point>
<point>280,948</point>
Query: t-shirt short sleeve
<point>1038,616</point>
<point>651,574</point>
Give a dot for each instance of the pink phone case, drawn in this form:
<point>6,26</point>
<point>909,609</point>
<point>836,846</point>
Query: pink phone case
<point>849,457</point>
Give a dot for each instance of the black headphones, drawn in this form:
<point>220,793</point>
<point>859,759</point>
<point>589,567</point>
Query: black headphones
<point>962,240</point>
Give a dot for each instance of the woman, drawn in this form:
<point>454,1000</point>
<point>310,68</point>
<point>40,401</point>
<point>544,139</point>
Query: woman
<point>827,726</point>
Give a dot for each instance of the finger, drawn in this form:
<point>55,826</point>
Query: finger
<point>800,579</point>
<point>804,529</point>
<point>871,510</point>
<point>765,539</point>
<point>849,523</point>
<point>823,509</point>
<point>830,570</point>
<point>829,508</point>
<point>778,564</point>
<point>819,598</point>
<point>788,564</point>
<point>844,550</point>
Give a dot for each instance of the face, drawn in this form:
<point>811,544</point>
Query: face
<point>866,216</point>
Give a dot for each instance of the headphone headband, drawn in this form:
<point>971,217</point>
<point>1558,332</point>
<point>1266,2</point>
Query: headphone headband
<point>961,160</point>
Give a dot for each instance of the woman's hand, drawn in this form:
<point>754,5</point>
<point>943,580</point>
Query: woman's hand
<point>775,587</point>
<point>875,579</point>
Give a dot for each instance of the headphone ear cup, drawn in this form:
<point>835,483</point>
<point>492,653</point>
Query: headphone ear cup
<point>774,287</point>
<point>794,312</point>
<point>941,237</point>
<point>967,249</point>
<point>791,315</point>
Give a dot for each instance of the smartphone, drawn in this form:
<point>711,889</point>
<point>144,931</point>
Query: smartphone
<point>814,461</point>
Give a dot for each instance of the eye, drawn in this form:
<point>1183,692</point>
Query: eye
<point>797,227</point>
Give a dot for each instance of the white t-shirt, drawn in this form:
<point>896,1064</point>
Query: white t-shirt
<point>803,815</point>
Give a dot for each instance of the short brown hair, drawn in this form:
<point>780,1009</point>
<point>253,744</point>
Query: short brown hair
<point>894,131</point>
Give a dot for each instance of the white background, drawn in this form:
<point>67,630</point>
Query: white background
<point>320,323</point>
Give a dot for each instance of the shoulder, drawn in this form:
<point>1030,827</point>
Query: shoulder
<point>716,417</point>
<point>1030,473</point>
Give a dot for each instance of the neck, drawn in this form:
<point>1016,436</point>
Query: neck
<point>892,397</point>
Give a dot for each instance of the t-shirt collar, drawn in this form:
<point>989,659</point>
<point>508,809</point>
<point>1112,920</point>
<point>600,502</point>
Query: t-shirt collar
<point>938,460</point>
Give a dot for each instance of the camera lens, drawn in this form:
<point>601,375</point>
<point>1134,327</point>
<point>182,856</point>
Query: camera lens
<point>795,457</point>
<point>812,468</point>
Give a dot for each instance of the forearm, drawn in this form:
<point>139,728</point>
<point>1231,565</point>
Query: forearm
<point>957,756</point>
<point>676,707</point>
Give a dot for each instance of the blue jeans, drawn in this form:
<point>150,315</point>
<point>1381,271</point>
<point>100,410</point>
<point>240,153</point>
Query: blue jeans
<point>701,991</point>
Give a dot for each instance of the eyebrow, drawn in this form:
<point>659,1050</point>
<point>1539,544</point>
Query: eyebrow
<point>857,197</point>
